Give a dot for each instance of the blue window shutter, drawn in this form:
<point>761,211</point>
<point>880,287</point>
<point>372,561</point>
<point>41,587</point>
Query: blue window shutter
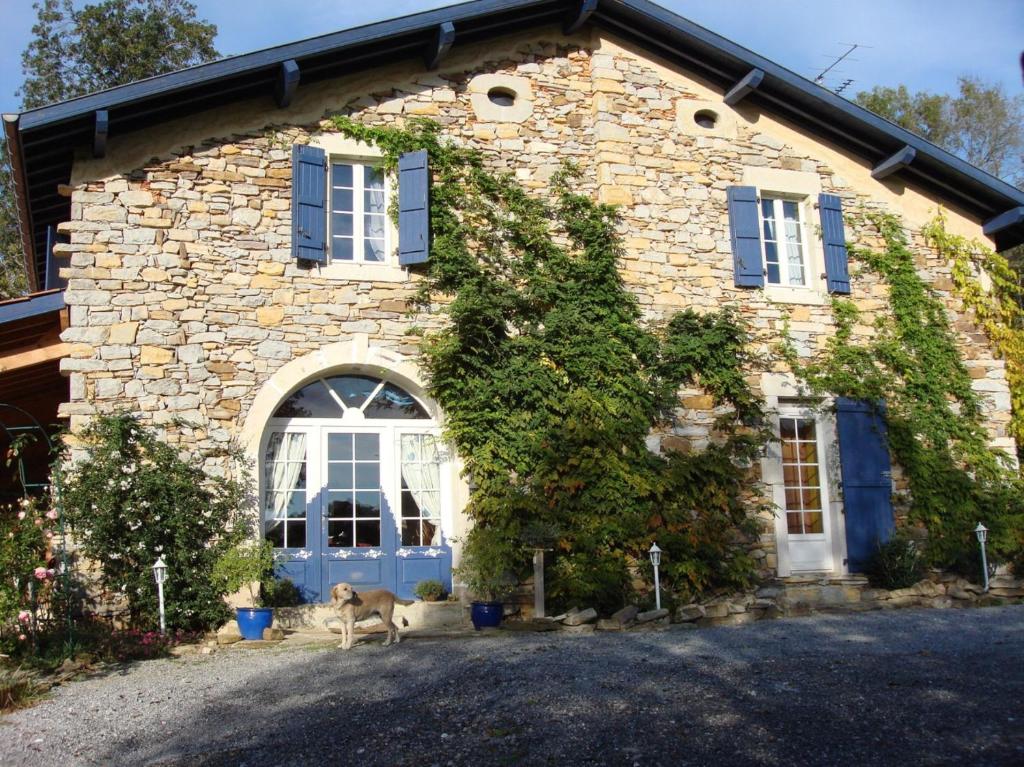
<point>837,271</point>
<point>413,208</point>
<point>867,483</point>
<point>745,232</point>
<point>309,214</point>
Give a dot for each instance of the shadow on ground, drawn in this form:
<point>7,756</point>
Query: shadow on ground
<point>924,687</point>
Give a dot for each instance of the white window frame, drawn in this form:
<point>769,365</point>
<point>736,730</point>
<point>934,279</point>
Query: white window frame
<point>359,167</point>
<point>781,244</point>
<point>338,148</point>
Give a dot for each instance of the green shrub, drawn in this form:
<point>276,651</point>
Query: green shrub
<point>133,498</point>
<point>896,564</point>
<point>280,593</point>
<point>430,590</point>
<point>248,564</point>
<point>26,575</point>
<point>490,559</point>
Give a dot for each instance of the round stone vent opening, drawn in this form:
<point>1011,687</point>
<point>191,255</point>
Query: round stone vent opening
<point>502,97</point>
<point>705,118</point>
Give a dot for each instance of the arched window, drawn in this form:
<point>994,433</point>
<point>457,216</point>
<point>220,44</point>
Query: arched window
<point>333,397</point>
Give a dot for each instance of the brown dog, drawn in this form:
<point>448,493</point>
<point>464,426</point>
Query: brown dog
<point>354,607</point>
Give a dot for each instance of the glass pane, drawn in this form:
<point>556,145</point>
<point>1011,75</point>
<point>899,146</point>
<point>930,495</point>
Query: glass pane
<point>341,224</point>
<point>813,522</point>
<point>791,212</point>
<point>808,476</point>
<point>275,534</point>
<point>368,476</point>
<point>767,208</point>
<point>373,201</point>
<point>373,227</point>
<point>373,178</point>
<point>805,428</point>
<point>790,474</point>
<point>339,476</point>
<point>296,534</point>
<point>368,504</point>
<point>392,402</point>
<point>341,248</point>
<point>409,506</point>
<point>341,175</point>
<point>771,253</point>
<point>787,428</point>
<point>368,533</point>
<point>341,201</point>
<point>792,498</point>
<point>793,524</point>
<point>789,451</point>
<point>812,498</point>
<point>339,505</point>
<point>431,533</point>
<point>311,401</point>
<point>339,447</point>
<point>367,447</point>
<point>808,452</point>
<point>353,390</point>
<point>339,533</point>
<point>297,505</point>
<point>430,504</point>
<point>373,250</point>
<point>410,532</point>
<point>772,271</point>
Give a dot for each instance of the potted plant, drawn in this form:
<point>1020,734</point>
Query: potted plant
<point>246,565</point>
<point>430,590</point>
<point>487,559</point>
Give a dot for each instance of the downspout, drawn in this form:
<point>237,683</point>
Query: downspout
<point>13,136</point>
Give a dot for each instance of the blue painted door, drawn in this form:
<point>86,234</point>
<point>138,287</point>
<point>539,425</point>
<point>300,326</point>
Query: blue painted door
<point>867,481</point>
<point>357,525</point>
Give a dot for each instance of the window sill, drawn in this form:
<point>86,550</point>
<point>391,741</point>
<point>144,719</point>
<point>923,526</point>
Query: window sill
<point>806,296</point>
<point>362,272</point>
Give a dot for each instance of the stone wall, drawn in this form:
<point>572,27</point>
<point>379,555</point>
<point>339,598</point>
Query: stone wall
<point>185,299</point>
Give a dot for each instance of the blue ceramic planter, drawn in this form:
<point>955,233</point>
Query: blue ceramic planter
<point>486,614</point>
<point>252,621</point>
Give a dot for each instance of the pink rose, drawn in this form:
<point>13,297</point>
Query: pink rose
<point>24,616</point>
<point>39,523</point>
<point>40,573</point>
<point>22,637</point>
<point>21,515</point>
<point>51,514</point>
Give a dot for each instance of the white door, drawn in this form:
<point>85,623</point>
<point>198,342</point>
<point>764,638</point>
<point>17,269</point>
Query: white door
<point>804,527</point>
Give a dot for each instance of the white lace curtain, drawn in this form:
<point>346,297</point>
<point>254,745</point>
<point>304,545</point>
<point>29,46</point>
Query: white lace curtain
<point>287,456</point>
<point>422,473</point>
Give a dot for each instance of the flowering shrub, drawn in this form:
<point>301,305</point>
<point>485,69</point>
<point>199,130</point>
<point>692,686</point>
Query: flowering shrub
<point>133,499</point>
<point>26,572</point>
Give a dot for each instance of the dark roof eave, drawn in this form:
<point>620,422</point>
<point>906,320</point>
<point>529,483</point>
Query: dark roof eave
<point>13,136</point>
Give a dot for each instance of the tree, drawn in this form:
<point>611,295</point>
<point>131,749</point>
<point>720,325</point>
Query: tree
<point>981,123</point>
<point>79,51</point>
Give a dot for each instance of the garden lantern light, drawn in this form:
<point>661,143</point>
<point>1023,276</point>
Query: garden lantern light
<point>655,553</point>
<point>982,532</point>
<point>160,573</point>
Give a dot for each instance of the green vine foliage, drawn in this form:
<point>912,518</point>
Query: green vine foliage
<point>934,417</point>
<point>133,498</point>
<point>999,309</point>
<point>551,383</point>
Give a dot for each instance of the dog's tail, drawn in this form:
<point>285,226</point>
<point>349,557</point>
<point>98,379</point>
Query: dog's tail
<point>404,601</point>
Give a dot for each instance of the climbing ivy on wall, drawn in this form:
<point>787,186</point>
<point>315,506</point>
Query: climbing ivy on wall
<point>912,362</point>
<point>998,308</point>
<point>551,383</point>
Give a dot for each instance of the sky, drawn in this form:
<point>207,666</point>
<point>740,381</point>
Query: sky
<point>925,44</point>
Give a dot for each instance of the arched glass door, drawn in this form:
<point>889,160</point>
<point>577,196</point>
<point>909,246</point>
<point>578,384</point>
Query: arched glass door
<point>354,488</point>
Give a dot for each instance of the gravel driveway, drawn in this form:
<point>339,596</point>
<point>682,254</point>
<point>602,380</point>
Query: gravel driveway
<point>915,687</point>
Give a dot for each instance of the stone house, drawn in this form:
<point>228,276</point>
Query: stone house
<point>229,261</point>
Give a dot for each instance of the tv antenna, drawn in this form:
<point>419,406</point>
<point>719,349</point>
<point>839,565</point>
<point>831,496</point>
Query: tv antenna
<point>852,47</point>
